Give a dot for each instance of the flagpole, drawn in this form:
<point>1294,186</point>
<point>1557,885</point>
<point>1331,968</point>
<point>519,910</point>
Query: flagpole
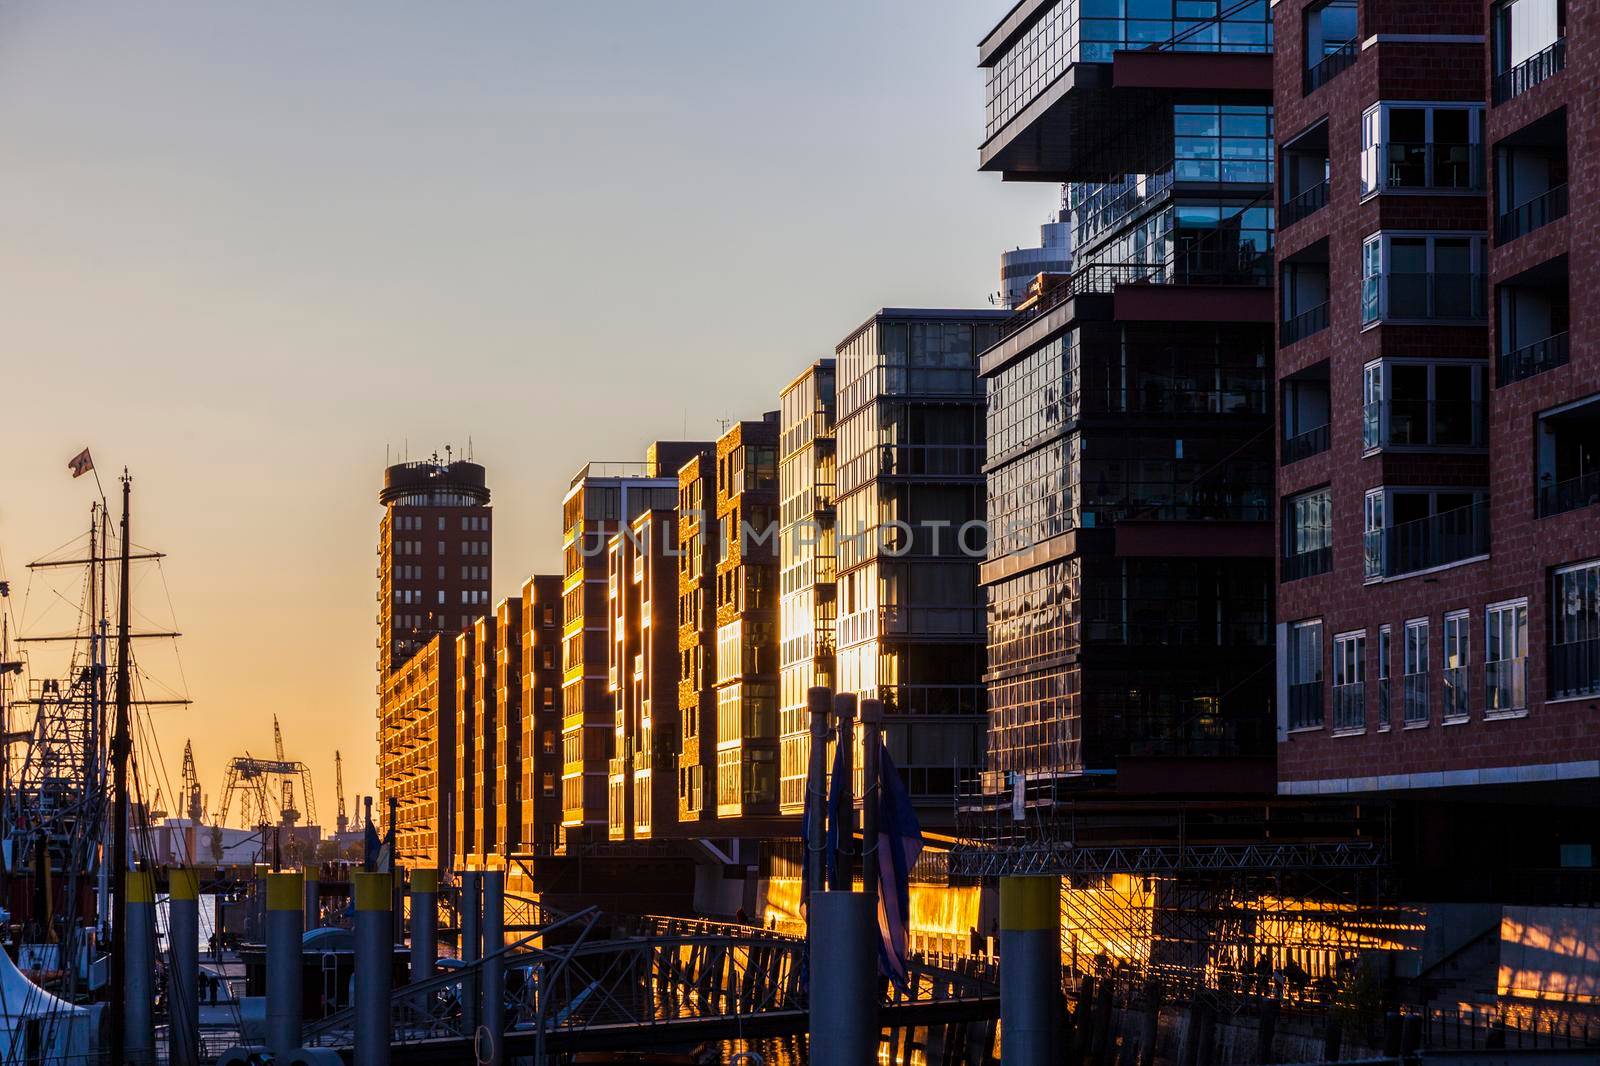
<point>119,796</point>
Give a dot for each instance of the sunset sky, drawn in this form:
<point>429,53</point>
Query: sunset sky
<point>249,249</point>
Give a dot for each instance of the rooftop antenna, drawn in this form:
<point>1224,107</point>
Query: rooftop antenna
<point>469,447</point>
<point>447,455</point>
<point>723,423</point>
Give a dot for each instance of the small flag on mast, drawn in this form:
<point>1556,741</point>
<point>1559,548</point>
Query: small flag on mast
<point>80,464</point>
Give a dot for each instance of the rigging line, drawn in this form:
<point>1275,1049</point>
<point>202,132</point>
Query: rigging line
<point>177,649</point>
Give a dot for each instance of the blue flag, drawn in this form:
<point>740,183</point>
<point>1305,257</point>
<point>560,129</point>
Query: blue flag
<point>898,845</point>
<point>371,845</point>
<point>839,813</point>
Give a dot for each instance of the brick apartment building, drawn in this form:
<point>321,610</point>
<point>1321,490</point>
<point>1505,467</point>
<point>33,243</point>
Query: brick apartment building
<point>434,564</point>
<point>1439,598</point>
<point>541,713</point>
<point>697,637</point>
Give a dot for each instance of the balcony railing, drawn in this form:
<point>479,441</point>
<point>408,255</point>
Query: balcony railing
<point>1305,705</point>
<point>1505,685</point>
<point>1424,543</point>
<point>1301,445</point>
<point>1306,203</point>
<point>1330,65</point>
<point>1307,564</point>
<point>1384,714</point>
<point>1350,706</point>
<point>1304,324</point>
<point>1532,359</point>
<point>1569,495</point>
<point>1430,165</point>
<point>1448,297</point>
<point>1575,669</point>
<point>1456,697</point>
<point>1416,698</point>
<point>1530,72</point>
<point>1424,424</point>
<point>1525,218</point>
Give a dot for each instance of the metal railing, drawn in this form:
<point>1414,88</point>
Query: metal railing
<point>1301,445</point>
<point>1416,699</point>
<point>1532,359</point>
<point>1307,564</point>
<point>1575,669</point>
<point>1305,705</point>
<point>1304,324</point>
<point>1569,495</point>
<point>1426,296</point>
<point>1385,714</point>
<point>1330,65</point>
<point>1530,215</point>
<point>1457,697</point>
<point>1428,165</point>
<point>1424,424</point>
<point>1350,706</point>
<point>1305,203</point>
<point>1423,543</point>
<point>1530,72</point>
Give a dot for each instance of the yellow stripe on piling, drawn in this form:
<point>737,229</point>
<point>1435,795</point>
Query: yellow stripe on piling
<point>1028,903</point>
<point>141,886</point>
<point>424,881</point>
<point>183,882</point>
<point>372,891</point>
<point>285,891</point>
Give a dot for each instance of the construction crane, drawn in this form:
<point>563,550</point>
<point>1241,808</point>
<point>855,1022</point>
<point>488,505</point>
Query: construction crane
<point>341,822</point>
<point>290,814</point>
<point>190,803</point>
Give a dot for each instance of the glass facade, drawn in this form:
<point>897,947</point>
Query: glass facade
<point>910,445</point>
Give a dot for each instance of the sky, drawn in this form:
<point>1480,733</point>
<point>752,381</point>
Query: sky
<point>250,250</point>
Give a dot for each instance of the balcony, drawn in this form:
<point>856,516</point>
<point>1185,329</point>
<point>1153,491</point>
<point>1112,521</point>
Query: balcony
<point>1426,297</point>
<point>1567,443</point>
<point>1305,203</point>
<point>1307,564</point>
<point>1313,441</point>
<point>1350,706</point>
<point>1424,543</point>
<point>1514,81</point>
<point>1529,216</point>
<point>1569,495</point>
<point>1575,669</point>
<point>1425,167</point>
<point>1444,424</point>
<point>1304,324</point>
<point>1532,359</point>
<point>1334,63</point>
<point>1305,705</point>
<point>1303,293</point>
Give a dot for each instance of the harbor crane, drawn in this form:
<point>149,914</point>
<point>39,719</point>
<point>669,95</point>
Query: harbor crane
<point>342,821</point>
<point>262,782</point>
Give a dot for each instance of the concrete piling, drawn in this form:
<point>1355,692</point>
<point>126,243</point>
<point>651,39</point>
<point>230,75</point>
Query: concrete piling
<point>183,982</point>
<point>139,967</point>
<point>285,926</point>
<point>492,1014</point>
<point>1030,963</point>
<point>424,923</point>
<point>844,1007</point>
<point>374,959</point>
<point>471,946</point>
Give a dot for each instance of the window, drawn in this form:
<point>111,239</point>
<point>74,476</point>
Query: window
<point>1416,672</point>
<point>1308,534</point>
<point>1457,657</point>
<point>1385,636</point>
<point>1417,404</point>
<point>1422,277</point>
<point>1421,146</point>
<point>1407,530</point>
<point>1575,631</point>
<point>1305,675</point>
<point>1505,657</point>
<point>1350,681</point>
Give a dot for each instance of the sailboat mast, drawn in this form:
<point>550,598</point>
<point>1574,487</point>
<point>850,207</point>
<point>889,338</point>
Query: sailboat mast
<point>119,762</point>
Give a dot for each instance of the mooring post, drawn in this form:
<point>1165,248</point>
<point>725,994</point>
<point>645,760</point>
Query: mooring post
<point>285,978</point>
<point>424,923</point>
<point>492,1015</point>
<point>374,959</point>
<point>844,981</point>
<point>313,899</point>
<point>819,701</point>
<point>1030,968</point>
<point>471,946</point>
<point>183,947</point>
<point>139,967</point>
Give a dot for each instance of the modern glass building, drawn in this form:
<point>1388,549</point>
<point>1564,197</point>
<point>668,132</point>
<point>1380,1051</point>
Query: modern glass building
<point>1129,476</point>
<point>910,510</point>
<point>808,599</point>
